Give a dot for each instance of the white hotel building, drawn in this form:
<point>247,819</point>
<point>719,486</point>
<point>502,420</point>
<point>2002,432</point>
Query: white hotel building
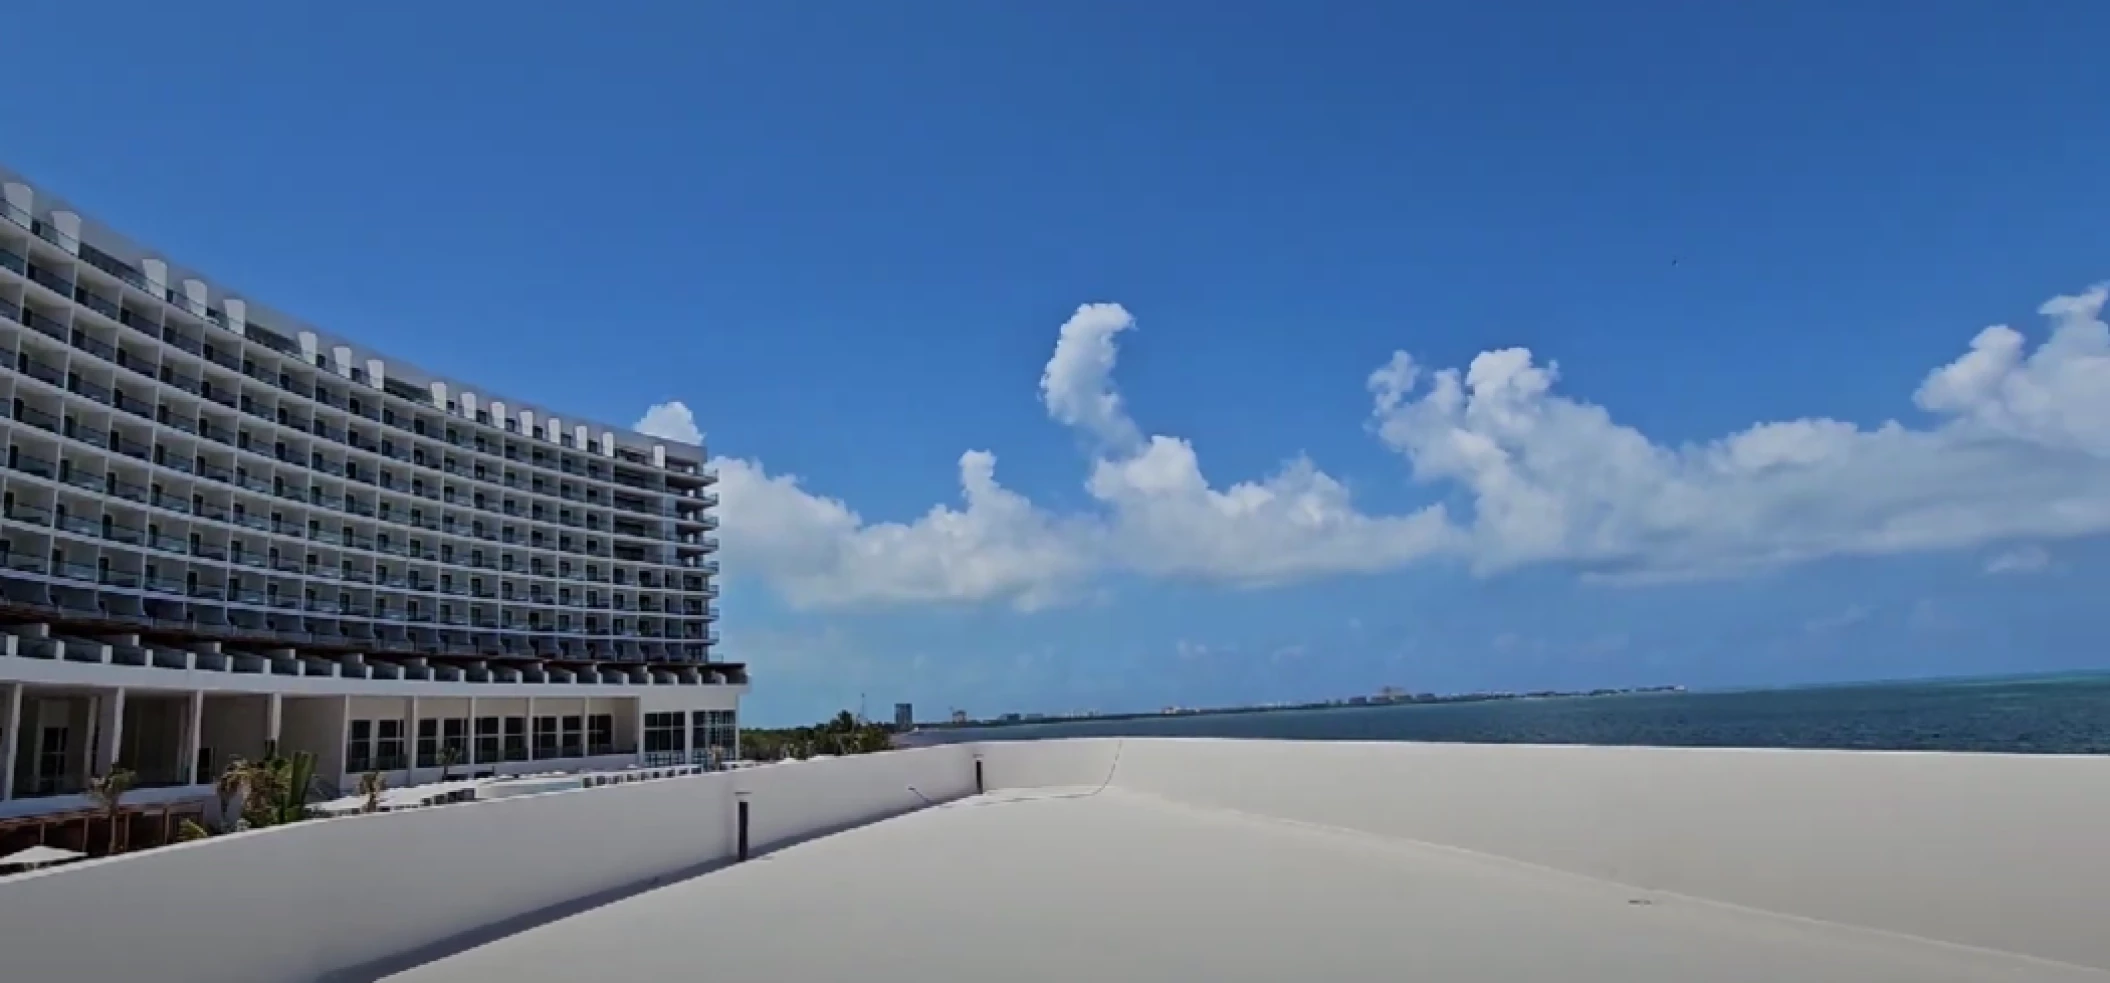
<point>227,534</point>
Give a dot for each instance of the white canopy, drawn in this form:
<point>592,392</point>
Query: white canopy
<point>38,856</point>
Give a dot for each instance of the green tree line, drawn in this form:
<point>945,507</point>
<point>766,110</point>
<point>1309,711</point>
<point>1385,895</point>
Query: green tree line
<point>840,734</point>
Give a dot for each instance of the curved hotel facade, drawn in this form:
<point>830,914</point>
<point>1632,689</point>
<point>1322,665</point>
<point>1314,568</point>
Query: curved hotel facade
<point>227,534</point>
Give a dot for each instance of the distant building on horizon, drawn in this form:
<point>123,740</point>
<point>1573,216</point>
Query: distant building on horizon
<point>959,716</point>
<point>904,715</point>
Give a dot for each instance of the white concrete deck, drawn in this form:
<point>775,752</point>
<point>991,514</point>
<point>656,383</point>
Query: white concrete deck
<point>1053,884</point>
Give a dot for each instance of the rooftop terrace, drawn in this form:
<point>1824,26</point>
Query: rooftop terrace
<point>1146,860</point>
<point>1117,886</point>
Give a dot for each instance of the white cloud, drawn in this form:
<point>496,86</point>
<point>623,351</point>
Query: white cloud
<point>1164,518</point>
<point>1077,385</point>
<point>2019,448</point>
<point>2016,447</point>
<point>670,420</point>
<point>2021,559</point>
<point>817,552</point>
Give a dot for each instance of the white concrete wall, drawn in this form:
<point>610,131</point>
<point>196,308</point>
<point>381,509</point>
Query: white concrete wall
<point>795,799</point>
<point>235,727</point>
<point>315,725</point>
<point>2010,852</point>
<point>328,895</point>
<point>1047,764</point>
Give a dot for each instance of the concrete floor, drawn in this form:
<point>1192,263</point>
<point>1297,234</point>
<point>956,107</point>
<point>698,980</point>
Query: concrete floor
<point>1054,885</point>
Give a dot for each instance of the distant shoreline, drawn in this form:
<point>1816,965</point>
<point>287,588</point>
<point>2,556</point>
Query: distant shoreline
<point>1432,699</point>
<point>2064,712</point>
<point>1354,703</point>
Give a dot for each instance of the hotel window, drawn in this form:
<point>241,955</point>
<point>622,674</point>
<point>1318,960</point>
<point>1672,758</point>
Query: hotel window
<point>428,743</point>
<point>600,734</point>
<point>713,729</point>
<point>663,732</point>
<point>487,740</point>
<point>454,734</point>
<point>545,737</point>
<point>572,739</point>
<point>516,739</point>
<point>388,745</point>
<point>359,747</point>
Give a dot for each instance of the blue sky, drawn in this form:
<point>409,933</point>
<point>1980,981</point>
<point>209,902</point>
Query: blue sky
<point>847,237</point>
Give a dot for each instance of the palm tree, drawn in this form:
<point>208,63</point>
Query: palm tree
<point>261,789</point>
<point>371,785</point>
<point>108,791</point>
<point>450,755</point>
<point>294,782</point>
<point>278,790</point>
<point>232,785</point>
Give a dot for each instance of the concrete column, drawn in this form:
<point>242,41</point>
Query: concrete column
<point>11,742</point>
<point>110,732</point>
<point>688,736</point>
<point>531,728</point>
<point>410,743</point>
<point>469,753</point>
<point>273,721</point>
<point>637,730</point>
<point>736,734</point>
<point>344,738</point>
<point>193,735</point>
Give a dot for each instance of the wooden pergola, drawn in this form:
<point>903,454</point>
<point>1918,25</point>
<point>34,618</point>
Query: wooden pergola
<point>162,819</point>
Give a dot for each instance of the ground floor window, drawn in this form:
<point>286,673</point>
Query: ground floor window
<point>51,760</point>
<point>388,745</point>
<point>516,739</point>
<point>359,747</point>
<point>600,734</point>
<point>712,730</point>
<point>573,740</point>
<point>486,740</point>
<point>545,737</point>
<point>454,736</point>
<point>663,737</point>
<point>428,743</point>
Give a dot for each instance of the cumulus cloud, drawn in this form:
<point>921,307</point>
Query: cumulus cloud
<point>2014,446</point>
<point>1077,385</point>
<point>1163,517</point>
<point>2019,448</point>
<point>818,552</point>
<point>670,420</point>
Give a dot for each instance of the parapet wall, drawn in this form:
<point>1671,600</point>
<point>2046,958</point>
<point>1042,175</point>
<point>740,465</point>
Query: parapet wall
<point>2000,851</point>
<point>335,899</point>
<point>2008,852</point>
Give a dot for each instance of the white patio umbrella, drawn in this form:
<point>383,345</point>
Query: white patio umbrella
<point>39,856</point>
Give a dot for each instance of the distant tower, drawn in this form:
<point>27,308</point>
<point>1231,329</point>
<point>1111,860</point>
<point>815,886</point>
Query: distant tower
<point>904,715</point>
